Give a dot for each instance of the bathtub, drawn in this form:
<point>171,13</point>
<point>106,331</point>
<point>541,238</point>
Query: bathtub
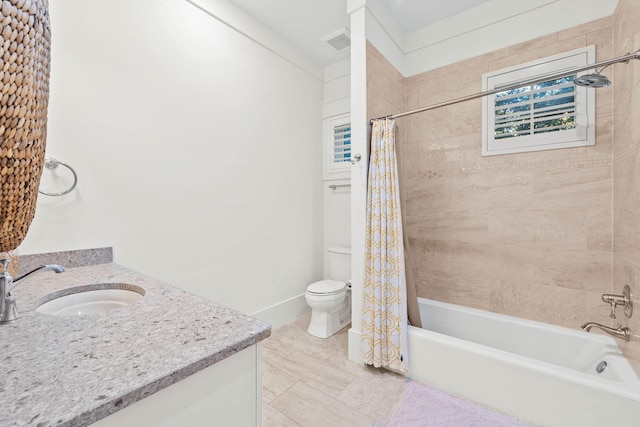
<point>542,374</point>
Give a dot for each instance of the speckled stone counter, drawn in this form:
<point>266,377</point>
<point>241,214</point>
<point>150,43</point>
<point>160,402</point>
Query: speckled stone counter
<point>72,371</point>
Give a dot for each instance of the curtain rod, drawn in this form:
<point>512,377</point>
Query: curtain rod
<point>603,64</point>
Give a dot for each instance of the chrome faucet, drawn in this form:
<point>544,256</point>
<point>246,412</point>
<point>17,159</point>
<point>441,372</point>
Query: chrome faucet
<point>619,332</point>
<point>8,310</point>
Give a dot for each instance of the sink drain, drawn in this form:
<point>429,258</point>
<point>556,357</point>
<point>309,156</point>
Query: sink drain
<point>601,367</point>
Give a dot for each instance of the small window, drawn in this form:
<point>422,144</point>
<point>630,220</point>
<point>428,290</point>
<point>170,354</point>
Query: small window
<point>342,143</point>
<point>542,116</point>
<point>338,147</point>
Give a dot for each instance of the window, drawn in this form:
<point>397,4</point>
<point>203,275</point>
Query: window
<point>542,116</point>
<point>338,147</point>
<point>342,143</point>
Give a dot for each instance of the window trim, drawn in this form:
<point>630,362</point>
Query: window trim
<point>584,133</point>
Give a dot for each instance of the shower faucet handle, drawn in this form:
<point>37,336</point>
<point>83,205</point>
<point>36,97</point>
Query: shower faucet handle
<point>624,300</point>
<point>608,298</point>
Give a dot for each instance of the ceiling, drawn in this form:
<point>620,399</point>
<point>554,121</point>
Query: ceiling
<point>305,22</point>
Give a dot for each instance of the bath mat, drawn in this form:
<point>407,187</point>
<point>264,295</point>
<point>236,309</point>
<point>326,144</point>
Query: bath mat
<point>423,406</point>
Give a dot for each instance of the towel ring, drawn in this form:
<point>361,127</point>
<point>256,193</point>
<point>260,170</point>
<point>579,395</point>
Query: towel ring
<point>52,163</point>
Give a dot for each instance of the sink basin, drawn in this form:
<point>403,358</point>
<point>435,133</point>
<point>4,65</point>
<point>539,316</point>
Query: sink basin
<point>90,299</point>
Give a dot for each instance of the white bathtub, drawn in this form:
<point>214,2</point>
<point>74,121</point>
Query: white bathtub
<point>542,374</point>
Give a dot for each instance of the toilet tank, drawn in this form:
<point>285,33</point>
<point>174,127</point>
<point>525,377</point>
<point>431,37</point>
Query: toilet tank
<point>340,263</point>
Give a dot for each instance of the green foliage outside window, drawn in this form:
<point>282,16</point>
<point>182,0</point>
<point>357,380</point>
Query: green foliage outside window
<point>539,108</point>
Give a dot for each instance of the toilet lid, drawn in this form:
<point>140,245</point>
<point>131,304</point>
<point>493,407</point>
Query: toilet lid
<point>326,287</point>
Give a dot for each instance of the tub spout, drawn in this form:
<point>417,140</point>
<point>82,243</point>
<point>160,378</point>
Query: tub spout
<point>618,332</point>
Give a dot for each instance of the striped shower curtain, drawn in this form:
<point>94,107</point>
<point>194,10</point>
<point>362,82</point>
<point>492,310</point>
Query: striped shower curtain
<point>384,317</point>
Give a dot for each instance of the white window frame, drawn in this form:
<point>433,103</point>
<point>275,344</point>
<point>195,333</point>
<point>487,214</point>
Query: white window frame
<point>582,135</point>
<point>332,169</point>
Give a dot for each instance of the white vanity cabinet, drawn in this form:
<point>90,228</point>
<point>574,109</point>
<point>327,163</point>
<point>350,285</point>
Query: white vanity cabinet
<point>224,394</point>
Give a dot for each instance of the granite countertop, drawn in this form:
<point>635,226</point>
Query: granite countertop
<point>75,370</point>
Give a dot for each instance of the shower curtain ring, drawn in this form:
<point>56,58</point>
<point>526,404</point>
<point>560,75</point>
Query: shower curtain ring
<point>356,158</point>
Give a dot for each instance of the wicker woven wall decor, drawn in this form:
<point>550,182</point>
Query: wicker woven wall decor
<point>25,42</point>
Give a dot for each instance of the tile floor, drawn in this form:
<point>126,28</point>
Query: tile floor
<point>308,381</point>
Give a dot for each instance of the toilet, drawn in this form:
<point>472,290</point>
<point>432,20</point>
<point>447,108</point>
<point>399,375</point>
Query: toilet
<point>330,300</point>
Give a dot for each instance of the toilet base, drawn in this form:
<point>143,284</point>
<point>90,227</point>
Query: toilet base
<point>323,324</point>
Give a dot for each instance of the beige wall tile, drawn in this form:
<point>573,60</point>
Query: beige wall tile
<point>573,43</point>
<point>450,288</point>
<point>431,92</point>
<point>573,188</point>
<point>626,172</point>
<point>407,152</point>
<point>519,56</point>
<point>633,130</point>
<point>429,125</point>
<point>385,86</point>
<point>625,5</point>
<point>479,225</point>
<point>603,150</point>
<point>466,117</point>
<point>544,42</point>
<point>512,227</point>
<point>604,102</point>
<point>493,191</point>
<point>580,270</point>
<point>411,96</point>
<point>380,106</point>
<point>603,39</point>
<point>625,27</point>
<point>585,29</point>
<point>427,195</point>
<point>623,76</point>
<point>598,230</point>
<point>517,233</point>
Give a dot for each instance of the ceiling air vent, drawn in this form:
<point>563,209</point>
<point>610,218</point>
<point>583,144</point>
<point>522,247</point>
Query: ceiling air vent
<point>339,40</point>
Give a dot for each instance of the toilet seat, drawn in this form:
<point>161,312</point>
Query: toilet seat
<point>326,287</point>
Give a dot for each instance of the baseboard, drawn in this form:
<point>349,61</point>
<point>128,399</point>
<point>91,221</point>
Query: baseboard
<point>283,312</point>
<point>355,349</point>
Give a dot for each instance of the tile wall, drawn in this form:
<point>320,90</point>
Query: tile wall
<point>385,86</point>
<point>529,234</point>
<point>626,167</point>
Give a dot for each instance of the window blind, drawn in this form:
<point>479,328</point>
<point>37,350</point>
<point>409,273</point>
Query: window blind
<point>529,110</point>
<point>342,143</point>
<point>540,116</point>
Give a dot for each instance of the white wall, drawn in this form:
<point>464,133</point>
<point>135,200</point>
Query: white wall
<point>196,147</point>
<point>337,89</point>
<point>337,202</point>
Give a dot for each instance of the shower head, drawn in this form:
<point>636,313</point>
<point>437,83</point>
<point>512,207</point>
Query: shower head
<point>592,80</point>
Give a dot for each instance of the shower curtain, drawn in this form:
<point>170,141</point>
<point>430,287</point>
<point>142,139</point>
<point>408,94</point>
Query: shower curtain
<point>384,317</point>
